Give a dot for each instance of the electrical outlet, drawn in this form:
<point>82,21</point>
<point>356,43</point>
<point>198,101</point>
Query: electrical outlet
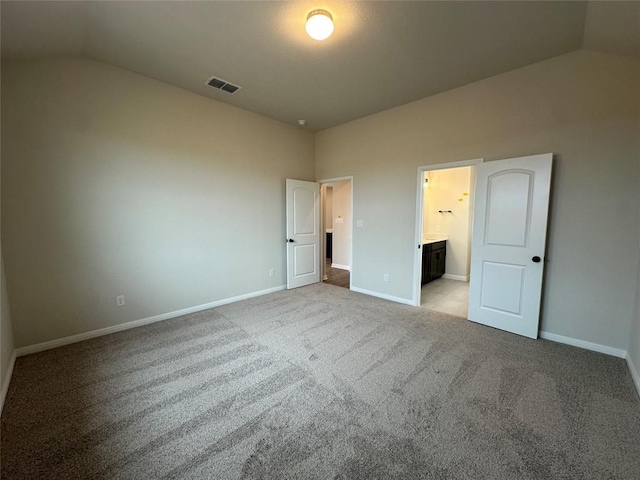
<point>120,301</point>
<point>359,223</point>
<point>437,228</point>
<point>272,272</point>
<point>386,277</point>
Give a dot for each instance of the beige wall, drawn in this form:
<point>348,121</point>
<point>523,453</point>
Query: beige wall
<point>6,336</point>
<point>328,207</point>
<point>341,231</point>
<point>449,189</point>
<point>583,107</point>
<point>114,183</point>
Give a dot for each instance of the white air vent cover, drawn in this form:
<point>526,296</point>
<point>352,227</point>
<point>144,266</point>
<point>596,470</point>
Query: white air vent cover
<point>223,85</point>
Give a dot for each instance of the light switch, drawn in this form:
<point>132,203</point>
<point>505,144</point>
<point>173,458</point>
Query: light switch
<point>360,223</point>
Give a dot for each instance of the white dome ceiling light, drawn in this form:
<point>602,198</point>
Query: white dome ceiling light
<point>319,24</point>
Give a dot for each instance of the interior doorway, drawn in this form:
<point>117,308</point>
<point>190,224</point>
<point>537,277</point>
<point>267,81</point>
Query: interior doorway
<point>336,197</point>
<point>445,199</point>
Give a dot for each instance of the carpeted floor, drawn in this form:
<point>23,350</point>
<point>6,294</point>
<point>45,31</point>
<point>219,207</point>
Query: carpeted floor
<point>320,383</point>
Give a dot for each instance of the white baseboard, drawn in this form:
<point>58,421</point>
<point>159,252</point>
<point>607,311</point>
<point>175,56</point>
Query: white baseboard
<point>40,347</point>
<point>635,372</point>
<point>405,301</point>
<point>596,347</point>
<point>341,267</point>
<point>462,278</point>
<point>7,380</point>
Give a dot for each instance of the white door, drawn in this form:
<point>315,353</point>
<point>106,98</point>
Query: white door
<point>303,233</point>
<point>508,243</point>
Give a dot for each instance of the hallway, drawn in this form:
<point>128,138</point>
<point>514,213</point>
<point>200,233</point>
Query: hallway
<point>336,276</point>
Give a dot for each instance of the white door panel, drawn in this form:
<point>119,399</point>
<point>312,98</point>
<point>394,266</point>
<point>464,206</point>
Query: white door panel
<point>508,246</point>
<point>502,287</point>
<point>303,211</point>
<point>304,256</point>
<point>303,233</point>
<point>508,197</point>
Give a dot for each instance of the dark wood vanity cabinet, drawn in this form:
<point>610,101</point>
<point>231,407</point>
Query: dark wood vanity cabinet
<point>433,260</point>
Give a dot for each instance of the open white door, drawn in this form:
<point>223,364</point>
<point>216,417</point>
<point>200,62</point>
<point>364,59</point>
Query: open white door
<point>303,233</point>
<point>508,247</point>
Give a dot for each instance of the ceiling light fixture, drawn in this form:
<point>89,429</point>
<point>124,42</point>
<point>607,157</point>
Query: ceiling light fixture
<point>319,24</point>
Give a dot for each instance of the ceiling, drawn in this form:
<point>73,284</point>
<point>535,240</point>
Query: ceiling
<point>381,55</point>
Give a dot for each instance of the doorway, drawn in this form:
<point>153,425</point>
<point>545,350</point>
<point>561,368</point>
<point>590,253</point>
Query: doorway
<point>336,197</point>
<point>443,235</point>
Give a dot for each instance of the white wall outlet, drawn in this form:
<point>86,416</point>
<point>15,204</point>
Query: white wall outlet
<point>437,228</point>
<point>272,272</point>
<point>359,223</point>
<point>120,301</point>
<point>386,277</point>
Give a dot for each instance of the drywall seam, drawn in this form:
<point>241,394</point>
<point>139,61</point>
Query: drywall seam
<point>635,372</point>
<point>39,347</point>
<point>596,347</point>
<point>7,380</point>
<point>405,301</point>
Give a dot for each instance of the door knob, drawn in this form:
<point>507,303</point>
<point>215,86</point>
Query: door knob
<point>536,259</point>
<point>290,240</point>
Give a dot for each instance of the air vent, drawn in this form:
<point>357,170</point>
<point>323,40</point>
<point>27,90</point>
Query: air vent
<point>223,85</point>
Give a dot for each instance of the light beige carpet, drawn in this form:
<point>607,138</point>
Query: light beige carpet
<point>320,383</point>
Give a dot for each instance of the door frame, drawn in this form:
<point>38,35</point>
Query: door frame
<point>417,260</point>
<point>323,227</point>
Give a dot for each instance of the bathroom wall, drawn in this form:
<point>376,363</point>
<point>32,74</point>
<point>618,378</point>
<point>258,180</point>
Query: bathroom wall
<point>328,207</point>
<point>341,225</point>
<point>450,190</point>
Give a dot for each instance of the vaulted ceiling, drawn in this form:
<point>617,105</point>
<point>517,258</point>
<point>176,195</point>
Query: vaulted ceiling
<point>381,55</point>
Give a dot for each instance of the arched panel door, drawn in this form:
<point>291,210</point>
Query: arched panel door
<point>508,243</point>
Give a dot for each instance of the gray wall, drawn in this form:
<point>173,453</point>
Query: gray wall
<point>114,183</point>
<point>582,106</point>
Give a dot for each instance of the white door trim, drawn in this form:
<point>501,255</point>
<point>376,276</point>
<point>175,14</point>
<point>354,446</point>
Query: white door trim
<point>323,227</point>
<point>417,259</point>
